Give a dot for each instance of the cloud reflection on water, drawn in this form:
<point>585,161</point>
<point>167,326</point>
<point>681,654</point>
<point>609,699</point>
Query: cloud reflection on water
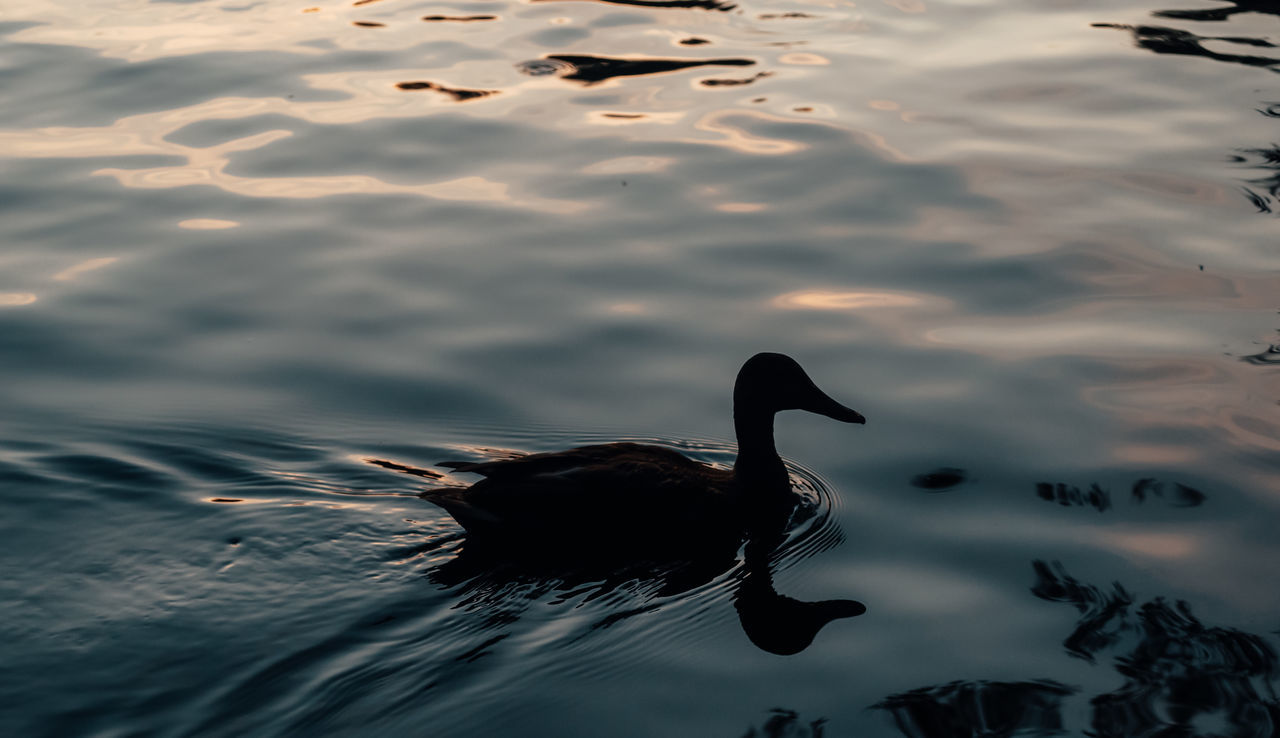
<point>148,135</point>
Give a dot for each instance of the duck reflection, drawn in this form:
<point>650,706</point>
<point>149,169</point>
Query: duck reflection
<point>500,584</point>
<point>1179,676</point>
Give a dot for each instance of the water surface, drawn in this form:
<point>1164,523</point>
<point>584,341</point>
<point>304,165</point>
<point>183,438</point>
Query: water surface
<point>245,247</point>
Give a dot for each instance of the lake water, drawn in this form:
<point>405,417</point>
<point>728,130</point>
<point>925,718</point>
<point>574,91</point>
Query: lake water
<point>247,246</point>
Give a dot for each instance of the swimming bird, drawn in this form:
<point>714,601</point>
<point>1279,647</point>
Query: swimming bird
<point>629,496</point>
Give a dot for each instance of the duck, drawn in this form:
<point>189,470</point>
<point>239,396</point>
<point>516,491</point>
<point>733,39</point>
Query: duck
<point>627,496</point>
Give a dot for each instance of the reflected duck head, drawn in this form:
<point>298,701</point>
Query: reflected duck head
<point>782,625</point>
<point>769,383</point>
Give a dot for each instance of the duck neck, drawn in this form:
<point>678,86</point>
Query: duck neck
<point>758,463</point>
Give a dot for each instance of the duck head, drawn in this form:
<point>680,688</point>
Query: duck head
<point>769,383</point>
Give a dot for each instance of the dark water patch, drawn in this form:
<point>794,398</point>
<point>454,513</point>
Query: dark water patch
<point>734,82</point>
<point>458,18</point>
<point>268,694</point>
<point>1179,675</point>
<point>458,94</point>
<point>187,446</point>
<point>1270,357</point>
<point>595,69</point>
<point>107,471</point>
<point>1183,672</point>
<point>1173,494</point>
<point>939,479</point>
<point>1102,613</point>
<point>14,478</point>
<point>1071,496</point>
<point>974,709</point>
<point>26,444</point>
<point>198,462</point>
<point>783,723</point>
<point>1164,40</point>
<point>1222,12</point>
<point>1268,160</point>
<point>720,5</point>
<point>483,649</point>
<point>1261,202</point>
<point>368,24</point>
<point>424,543</point>
<point>274,448</point>
<point>694,41</point>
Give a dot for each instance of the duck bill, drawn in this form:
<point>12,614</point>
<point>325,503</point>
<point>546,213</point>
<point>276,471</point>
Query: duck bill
<point>824,405</point>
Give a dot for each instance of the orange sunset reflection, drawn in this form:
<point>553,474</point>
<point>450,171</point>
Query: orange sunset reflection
<point>13,299</point>
<point>1151,545</point>
<point>849,300</point>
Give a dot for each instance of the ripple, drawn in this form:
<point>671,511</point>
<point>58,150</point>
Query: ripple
<point>107,470</point>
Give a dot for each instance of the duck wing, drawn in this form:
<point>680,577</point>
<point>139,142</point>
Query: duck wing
<point>615,490</point>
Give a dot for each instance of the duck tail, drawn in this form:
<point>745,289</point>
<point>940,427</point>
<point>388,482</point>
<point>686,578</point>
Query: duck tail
<point>453,501</point>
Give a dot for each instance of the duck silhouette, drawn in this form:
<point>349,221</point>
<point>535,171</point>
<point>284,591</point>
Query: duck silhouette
<point>619,515</point>
<point>643,498</point>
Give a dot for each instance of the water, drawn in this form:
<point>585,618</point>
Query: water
<point>245,247</point>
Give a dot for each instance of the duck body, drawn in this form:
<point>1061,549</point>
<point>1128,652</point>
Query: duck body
<point>631,496</point>
<point>623,494</point>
